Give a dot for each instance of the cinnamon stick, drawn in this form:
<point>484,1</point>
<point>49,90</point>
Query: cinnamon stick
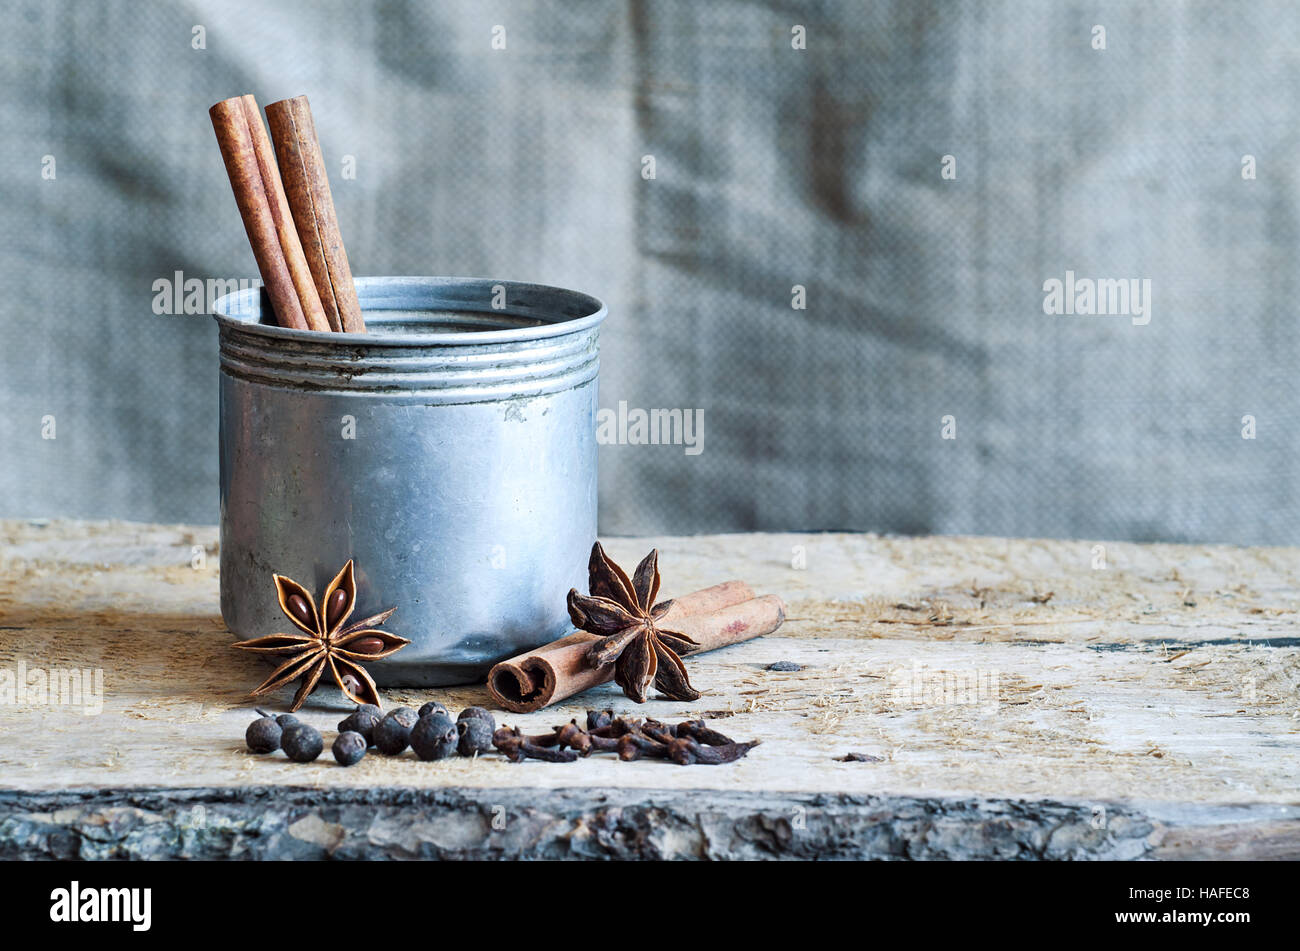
<point>294,259</point>
<point>303,169</point>
<point>724,614</point>
<point>230,122</point>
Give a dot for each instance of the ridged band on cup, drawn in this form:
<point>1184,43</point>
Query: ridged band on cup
<point>544,340</point>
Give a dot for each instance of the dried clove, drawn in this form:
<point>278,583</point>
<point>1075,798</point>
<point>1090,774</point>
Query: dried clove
<point>544,739</point>
<point>631,738</point>
<point>697,730</point>
<point>618,727</point>
<point>685,751</point>
<point>634,746</point>
<point>571,736</point>
<point>660,732</point>
<point>518,747</point>
<point>603,744</point>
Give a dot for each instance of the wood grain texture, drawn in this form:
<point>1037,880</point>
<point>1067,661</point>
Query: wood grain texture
<point>1145,709</point>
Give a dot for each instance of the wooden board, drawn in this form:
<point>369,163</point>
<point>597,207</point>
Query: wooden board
<point>1012,697</point>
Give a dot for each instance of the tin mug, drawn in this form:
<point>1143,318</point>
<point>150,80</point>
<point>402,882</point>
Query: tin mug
<point>449,451</point>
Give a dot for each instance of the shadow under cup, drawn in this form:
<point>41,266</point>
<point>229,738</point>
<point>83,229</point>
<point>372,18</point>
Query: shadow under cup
<point>450,451</point>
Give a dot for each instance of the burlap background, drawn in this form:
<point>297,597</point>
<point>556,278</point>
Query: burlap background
<point>774,167</point>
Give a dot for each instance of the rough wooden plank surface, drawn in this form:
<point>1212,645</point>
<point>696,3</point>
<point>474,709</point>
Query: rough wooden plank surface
<point>1014,697</point>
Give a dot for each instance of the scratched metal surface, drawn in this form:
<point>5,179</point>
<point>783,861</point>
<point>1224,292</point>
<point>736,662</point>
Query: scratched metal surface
<point>458,471</point>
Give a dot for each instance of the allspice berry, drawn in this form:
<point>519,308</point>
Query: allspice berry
<point>475,736</point>
<point>349,748</point>
<point>478,713</point>
<point>263,735</point>
<point>302,743</point>
<point>434,737</point>
<point>393,733</point>
<point>363,722</point>
<point>432,707</point>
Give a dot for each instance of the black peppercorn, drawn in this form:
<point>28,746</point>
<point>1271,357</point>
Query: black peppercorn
<point>432,707</point>
<point>393,733</point>
<point>434,737</point>
<point>263,735</point>
<point>349,748</point>
<point>403,714</point>
<point>287,720</point>
<point>475,735</point>
<point>302,743</point>
<point>363,722</point>
<point>478,713</point>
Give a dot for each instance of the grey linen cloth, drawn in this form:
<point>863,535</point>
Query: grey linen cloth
<point>774,168</point>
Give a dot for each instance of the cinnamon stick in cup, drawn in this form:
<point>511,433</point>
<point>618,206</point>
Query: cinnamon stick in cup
<point>230,122</point>
<point>303,169</point>
<point>294,259</point>
<point>716,617</point>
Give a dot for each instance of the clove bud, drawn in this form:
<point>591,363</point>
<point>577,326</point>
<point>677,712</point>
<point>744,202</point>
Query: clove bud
<point>631,738</point>
<point>685,751</point>
<point>660,732</point>
<point>696,730</point>
<point>574,737</point>
<point>634,746</point>
<point>518,748</point>
<point>617,727</point>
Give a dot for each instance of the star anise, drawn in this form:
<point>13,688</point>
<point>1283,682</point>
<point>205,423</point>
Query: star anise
<point>623,612</point>
<point>325,642</point>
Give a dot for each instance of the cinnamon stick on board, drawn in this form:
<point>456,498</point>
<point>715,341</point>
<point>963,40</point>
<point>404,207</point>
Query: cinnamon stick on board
<point>230,122</point>
<point>724,614</point>
<point>298,152</point>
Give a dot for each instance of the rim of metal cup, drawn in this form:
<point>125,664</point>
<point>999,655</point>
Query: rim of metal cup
<point>548,342</point>
<point>243,310</point>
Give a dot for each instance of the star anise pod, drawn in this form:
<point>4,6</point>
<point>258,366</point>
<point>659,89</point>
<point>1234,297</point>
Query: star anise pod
<point>623,612</point>
<point>325,642</point>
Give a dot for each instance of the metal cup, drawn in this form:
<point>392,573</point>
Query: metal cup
<point>450,451</point>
